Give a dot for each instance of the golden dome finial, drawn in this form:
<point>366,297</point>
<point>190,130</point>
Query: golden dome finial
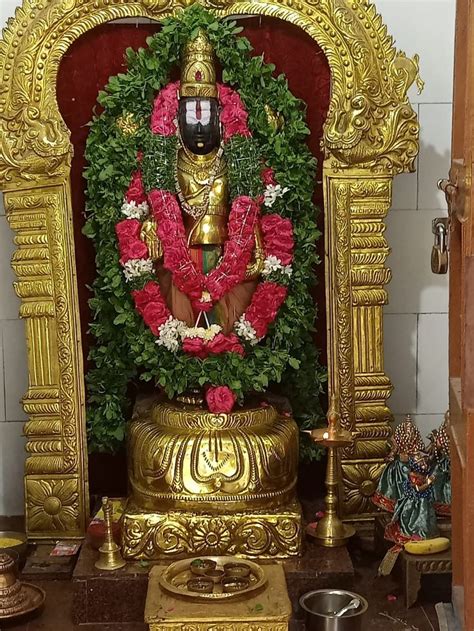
<point>198,72</point>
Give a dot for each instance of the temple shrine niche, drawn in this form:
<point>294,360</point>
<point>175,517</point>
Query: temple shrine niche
<point>216,457</point>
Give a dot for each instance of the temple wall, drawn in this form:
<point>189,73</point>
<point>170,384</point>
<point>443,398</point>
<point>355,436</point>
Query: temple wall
<point>416,319</point>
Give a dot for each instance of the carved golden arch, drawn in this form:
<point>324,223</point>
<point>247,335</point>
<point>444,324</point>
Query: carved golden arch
<point>370,135</point>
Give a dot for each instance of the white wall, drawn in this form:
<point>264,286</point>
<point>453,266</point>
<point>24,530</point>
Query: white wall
<point>415,320</point>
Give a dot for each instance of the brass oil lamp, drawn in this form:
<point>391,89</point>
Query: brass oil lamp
<point>331,532</point>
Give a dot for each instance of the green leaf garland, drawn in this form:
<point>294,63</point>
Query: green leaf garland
<point>125,351</point>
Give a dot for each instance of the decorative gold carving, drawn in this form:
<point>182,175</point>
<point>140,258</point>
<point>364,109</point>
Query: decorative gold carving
<point>371,133</point>
<point>187,458</point>
<point>44,264</point>
<point>53,505</point>
<point>263,534</point>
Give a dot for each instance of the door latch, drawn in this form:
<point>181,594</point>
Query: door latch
<point>439,253</point>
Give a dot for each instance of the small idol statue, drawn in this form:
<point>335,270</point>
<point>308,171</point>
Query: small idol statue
<point>406,442</point>
<point>415,515</point>
<point>439,450</point>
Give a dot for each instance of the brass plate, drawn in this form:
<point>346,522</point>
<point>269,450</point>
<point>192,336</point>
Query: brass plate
<point>35,599</point>
<point>174,578</point>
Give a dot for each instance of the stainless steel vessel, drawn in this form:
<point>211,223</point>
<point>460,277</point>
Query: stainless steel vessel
<point>321,606</point>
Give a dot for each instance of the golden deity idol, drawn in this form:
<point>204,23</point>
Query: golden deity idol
<point>203,482</point>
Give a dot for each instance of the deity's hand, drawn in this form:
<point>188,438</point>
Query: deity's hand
<point>255,268</point>
<point>149,236</point>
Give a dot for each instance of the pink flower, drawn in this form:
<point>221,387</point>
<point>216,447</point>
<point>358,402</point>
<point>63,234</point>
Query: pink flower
<point>278,237</point>
<point>130,244</point>
<point>136,192</point>
<point>195,346</point>
<point>266,300</point>
<point>220,399</point>
<point>165,110</point>
<point>150,293</point>
<point>233,115</point>
<point>128,229</point>
<point>133,250</point>
<point>225,344</point>
<point>155,314</point>
<point>268,176</point>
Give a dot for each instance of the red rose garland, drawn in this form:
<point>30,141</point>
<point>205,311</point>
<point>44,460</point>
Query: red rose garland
<point>204,290</point>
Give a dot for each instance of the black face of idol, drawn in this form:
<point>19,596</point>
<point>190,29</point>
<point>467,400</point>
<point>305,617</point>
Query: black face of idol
<point>199,124</point>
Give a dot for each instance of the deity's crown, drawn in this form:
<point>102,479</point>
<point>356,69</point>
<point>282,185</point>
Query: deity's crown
<point>198,72</point>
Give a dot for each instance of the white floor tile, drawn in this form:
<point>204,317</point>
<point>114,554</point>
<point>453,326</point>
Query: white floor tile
<point>414,288</point>
<point>9,302</point>
<point>425,27</point>
<point>12,458</point>
<point>435,154</point>
<point>400,360</point>
<point>15,366</point>
<point>432,368</point>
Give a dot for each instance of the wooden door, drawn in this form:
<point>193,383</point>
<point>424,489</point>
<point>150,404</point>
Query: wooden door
<point>460,197</point>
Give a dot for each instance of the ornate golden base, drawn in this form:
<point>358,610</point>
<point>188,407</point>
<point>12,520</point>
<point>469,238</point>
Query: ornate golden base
<point>271,534</point>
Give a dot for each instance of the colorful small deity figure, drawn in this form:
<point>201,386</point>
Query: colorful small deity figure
<point>405,442</point>
<point>414,516</point>
<point>440,452</point>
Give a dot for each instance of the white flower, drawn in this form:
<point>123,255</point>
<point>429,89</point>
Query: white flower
<point>272,192</point>
<point>245,330</point>
<point>199,331</point>
<point>273,264</point>
<point>169,334</point>
<point>137,267</point>
<point>132,210</point>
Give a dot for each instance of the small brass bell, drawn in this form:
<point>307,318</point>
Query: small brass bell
<point>110,557</point>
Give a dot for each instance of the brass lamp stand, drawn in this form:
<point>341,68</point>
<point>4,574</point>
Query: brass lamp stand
<point>330,531</point>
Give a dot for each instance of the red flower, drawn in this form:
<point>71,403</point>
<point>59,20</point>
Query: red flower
<point>225,344</point>
<point>165,110</point>
<point>233,115</point>
<point>136,192</point>
<point>130,244</point>
<point>128,229</point>
<point>133,249</point>
<point>155,314</point>
<point>150,293</point>
<point>220,399</point>
<point>268,176</point>
<point>278,237</point>
<point>195,346</point>
<point>266,300</point>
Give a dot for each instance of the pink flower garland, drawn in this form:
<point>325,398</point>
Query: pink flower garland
<point>177,258</point>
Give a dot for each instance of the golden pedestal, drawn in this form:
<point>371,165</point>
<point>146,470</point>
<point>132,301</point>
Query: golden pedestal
<point>268,610</point>
<point>204,483</point>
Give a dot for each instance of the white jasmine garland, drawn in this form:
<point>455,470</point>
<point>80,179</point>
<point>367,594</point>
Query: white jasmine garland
<point>132,210</point>
<point>174,331</point>
<point>136,268</point>
<point>199,331</point>
<point>245,330</point>
<point>273,264</point>
<point>169,334</point>
<point>272,193</point>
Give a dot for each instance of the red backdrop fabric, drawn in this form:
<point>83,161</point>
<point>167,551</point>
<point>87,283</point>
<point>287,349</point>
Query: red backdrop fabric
<point>98,54</point>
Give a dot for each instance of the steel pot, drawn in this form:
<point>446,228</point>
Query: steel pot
<point>321,605</point>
